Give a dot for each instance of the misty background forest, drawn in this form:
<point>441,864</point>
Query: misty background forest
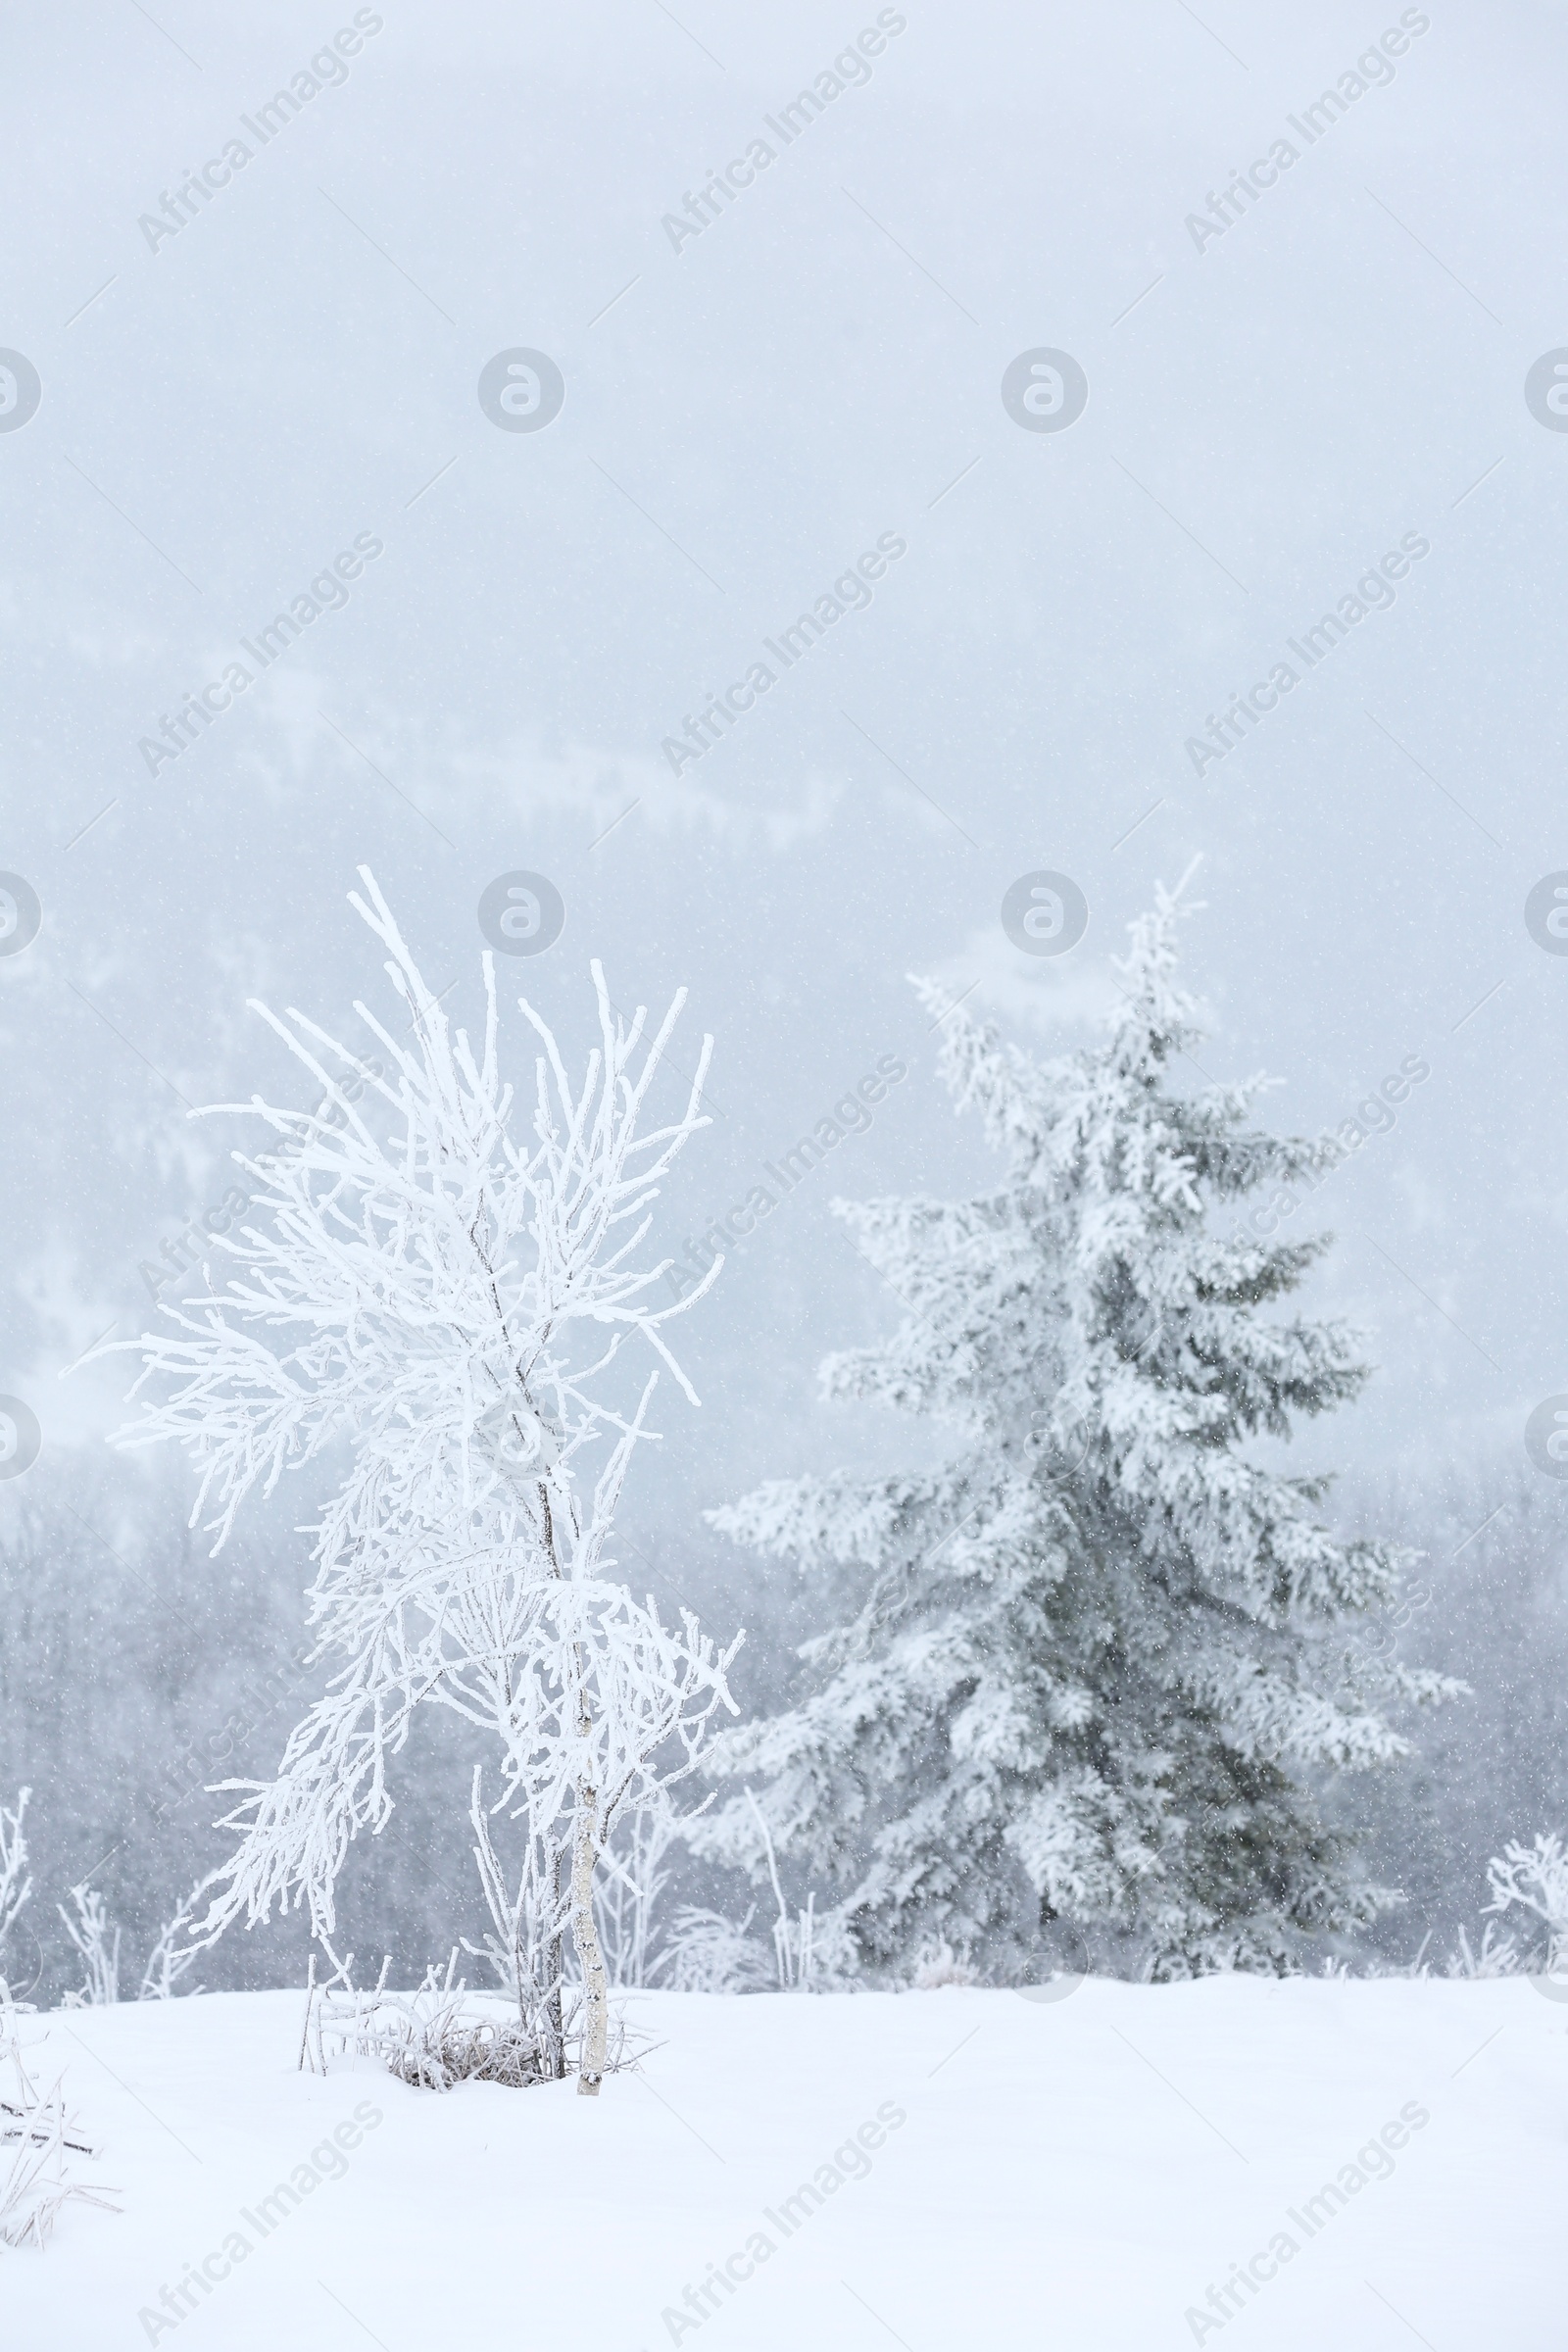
<point>801,424</point>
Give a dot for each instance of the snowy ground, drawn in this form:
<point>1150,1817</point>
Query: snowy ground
<point>1011,2171</point>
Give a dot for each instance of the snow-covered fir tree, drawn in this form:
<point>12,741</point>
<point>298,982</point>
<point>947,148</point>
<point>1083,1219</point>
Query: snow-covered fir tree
<point>1103,1647</point>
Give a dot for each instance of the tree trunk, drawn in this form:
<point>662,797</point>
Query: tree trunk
<point>555,1962</point>
<point>596,2003</point>
<point>557,2030</point>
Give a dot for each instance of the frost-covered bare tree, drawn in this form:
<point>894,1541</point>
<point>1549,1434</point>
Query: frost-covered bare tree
<point>96,1940</point>
<point>451,1300</point>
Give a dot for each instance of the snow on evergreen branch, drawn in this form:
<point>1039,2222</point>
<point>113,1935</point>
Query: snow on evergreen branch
<point>1094,1642</point>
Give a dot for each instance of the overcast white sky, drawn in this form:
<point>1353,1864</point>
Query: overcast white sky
<point>746,411</point>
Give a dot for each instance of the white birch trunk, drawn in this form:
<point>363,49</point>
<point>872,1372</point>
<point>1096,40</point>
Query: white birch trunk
<point>596,2003</point>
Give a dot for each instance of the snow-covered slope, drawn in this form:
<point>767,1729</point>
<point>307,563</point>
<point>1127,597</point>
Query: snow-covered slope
<point>938,2170</point>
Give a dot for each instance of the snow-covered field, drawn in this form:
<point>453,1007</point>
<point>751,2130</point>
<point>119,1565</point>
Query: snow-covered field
<point>938,2170</point>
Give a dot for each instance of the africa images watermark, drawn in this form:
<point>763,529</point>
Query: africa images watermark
<point>20,913</point>
<point>20,1436</point>
<point>851,1115</point>
<point>1375,1114</point>
<point>850,70</point>
<point>1372,593</point>
<point>328,70</point>
<point>188,1251</point>
<point>326,593</point>
<point>1372,70</point>
<point>849,2162</point>
<point>850,592</point>
<point>1372,2162</point>
<point>263,1694</point>
<point>327,2162</point>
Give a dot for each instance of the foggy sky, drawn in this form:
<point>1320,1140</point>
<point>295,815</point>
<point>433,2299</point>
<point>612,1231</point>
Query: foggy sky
<point>225,409</point>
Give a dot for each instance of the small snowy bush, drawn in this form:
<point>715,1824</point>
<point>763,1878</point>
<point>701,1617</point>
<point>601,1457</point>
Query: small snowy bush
<point>40,2138</point>
<point>705,1952</point>
<point>434,2037</point>
<point>938,1963</point>
<point>1534,1880</point>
